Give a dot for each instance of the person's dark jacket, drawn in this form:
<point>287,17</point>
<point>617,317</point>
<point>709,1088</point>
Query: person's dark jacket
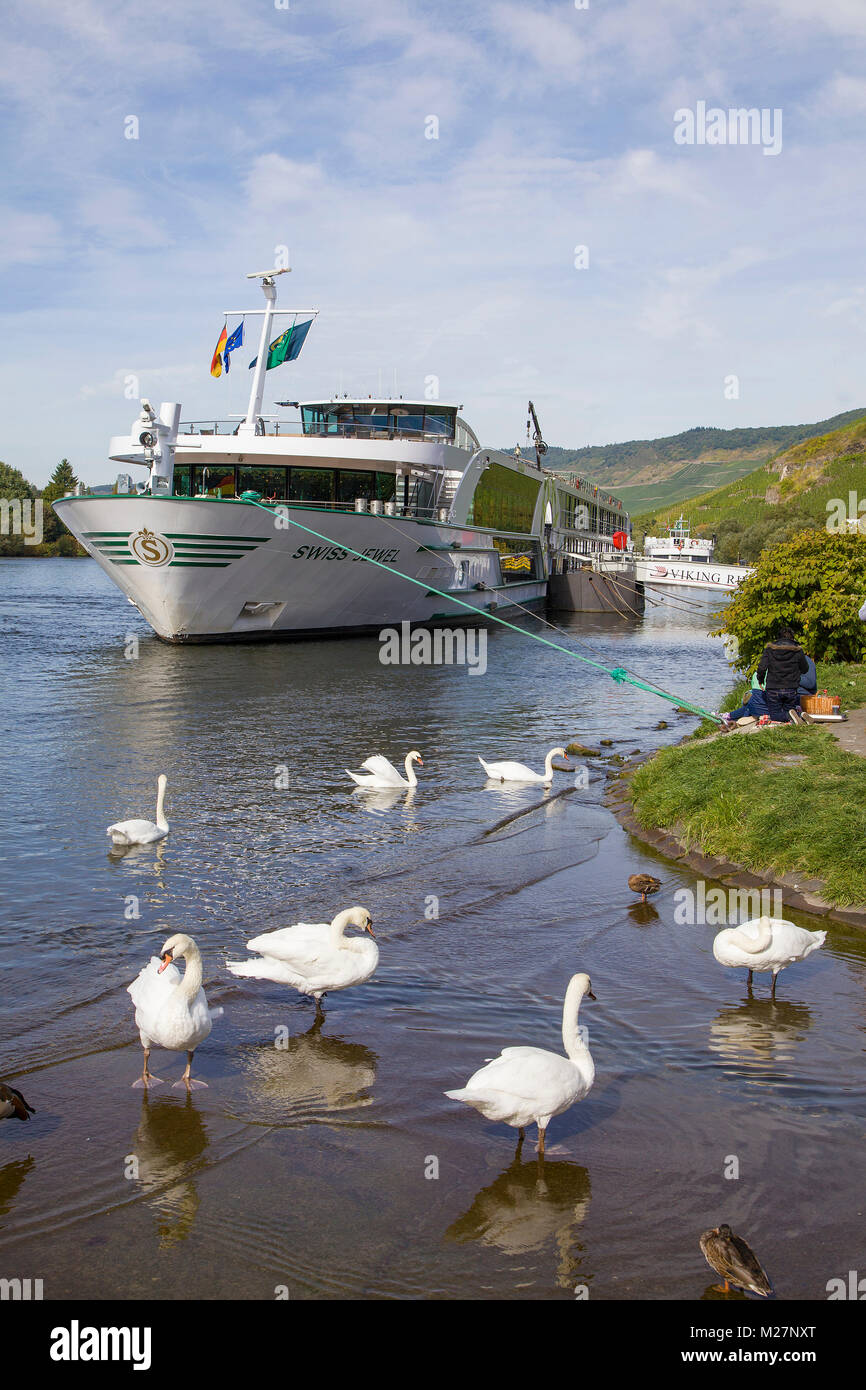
<point>782,664</point>
<point>809,683</point>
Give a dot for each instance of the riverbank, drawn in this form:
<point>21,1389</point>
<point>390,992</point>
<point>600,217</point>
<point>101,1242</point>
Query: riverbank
<point>783,807</point>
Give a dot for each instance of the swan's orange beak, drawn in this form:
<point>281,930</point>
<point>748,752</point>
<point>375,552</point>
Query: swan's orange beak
<point>166,960</point>
<point>369,928</point>
<point>420,762</point>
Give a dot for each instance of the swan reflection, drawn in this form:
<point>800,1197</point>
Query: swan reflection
<point>759,1031</point>
<point>529,1205</point>
<point>311,1071</point>
<point>169,1146</point>
<point>380,802</point>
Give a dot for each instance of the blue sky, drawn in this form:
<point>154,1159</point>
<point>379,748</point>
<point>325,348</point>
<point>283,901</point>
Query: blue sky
<point>261,127</point>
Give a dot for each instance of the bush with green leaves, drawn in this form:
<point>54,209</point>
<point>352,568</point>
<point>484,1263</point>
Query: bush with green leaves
<point>816,583</point>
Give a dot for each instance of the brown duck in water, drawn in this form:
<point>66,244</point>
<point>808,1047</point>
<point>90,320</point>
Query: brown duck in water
<point>644,884</point>
<point>730,1256</point>
<point>13,1105</point>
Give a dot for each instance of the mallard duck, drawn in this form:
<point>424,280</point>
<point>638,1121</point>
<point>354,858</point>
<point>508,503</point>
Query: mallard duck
<point>13,1106</point>
<point>730,1256</point>
<point>766,943</point>
<point>644,884</point>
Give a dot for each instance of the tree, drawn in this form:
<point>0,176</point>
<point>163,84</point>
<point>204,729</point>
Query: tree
<point>815,582</point>
<point>60,484</point>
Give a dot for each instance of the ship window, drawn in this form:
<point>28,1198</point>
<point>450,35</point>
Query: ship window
<point>386,484</point>
<point>270,482</point>
<point>355,483</point>
<point>311,484</point>
<point>504,499</point>
<point>181,480</point>
<point>213,480</point>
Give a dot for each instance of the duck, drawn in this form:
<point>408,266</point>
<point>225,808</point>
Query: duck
<point>519,772</point>
<point>529,1085</point>
<point>766,943</point>
<point>13,1106</point>
<point>143,832</point>
<point>171,1010</point>
<point>736,1261</point>
<point>383,774</point>
<point>314,958</point>
<point>644,884</point>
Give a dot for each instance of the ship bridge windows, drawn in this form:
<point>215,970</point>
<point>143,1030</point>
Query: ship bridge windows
<point>327,487</point>
<point>380,420</point>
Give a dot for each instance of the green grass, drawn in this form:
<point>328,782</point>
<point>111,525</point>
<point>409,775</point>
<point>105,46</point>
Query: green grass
<point>737,798</point>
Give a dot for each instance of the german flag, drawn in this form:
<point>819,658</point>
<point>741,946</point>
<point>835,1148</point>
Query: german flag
<point>216,366</point>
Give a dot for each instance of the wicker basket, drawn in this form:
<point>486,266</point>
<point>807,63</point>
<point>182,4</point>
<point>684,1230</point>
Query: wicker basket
<point>820,704</point>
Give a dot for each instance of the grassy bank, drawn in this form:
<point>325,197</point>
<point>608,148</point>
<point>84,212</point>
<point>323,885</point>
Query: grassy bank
<point>787,800</point>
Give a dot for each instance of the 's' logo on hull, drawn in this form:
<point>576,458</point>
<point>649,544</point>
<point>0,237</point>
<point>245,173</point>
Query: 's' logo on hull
<point>150,548</point>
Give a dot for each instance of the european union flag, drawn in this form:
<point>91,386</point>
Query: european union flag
<point>235,341</point>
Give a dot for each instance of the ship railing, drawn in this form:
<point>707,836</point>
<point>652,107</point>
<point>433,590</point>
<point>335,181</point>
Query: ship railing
<point>266,426</point>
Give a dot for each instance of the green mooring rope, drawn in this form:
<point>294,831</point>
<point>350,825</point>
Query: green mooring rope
<point>618,673</point>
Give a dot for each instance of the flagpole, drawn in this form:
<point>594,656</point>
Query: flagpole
<point>257,390</point>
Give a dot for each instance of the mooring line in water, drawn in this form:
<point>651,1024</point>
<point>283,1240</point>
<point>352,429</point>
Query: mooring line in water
<point>617,673</point>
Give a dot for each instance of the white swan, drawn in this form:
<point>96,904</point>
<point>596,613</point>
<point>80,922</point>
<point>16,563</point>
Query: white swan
<point>519,772</point>
<point>143,832</point>
<point>314,957</point>
<point>766,943</point>
<point>382,773</point>
<point>171,1009</point>
<point>529,1085</point>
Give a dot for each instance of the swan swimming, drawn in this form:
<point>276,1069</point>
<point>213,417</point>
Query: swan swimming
<point>314,957</point>
<point>143,832</point>
<point>529,1085</point>
<point>766,943</point>
<point>519,772</point>
<point>383,774</point>
<point>171,1009</point>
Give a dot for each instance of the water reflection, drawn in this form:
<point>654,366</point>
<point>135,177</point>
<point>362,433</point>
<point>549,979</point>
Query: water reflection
<point>309,1073</point>
<point>379,801</point>
<point>169,1146</point>
<point>642,914</point>
<point>759,1031</point>
<point>12,1177</point>
<point>528,1206</point>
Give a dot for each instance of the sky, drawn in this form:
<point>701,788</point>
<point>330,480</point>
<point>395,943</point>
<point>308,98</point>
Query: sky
<point>719,284</point>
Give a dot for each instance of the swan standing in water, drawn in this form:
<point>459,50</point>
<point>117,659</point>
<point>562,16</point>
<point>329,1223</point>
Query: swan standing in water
<point>519,772</point>
<point>766,943</point>
<point>143,832</point>
<point>382,774</point>
<point>314,957</point>
<point>529,1085</point>
<point>171,1009</point>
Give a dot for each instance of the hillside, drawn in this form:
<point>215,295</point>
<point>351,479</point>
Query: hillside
<point>698,459</point>
<point>790,493</point>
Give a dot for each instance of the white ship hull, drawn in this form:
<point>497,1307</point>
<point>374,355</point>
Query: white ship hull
<point>201,570</point>
<point>691,574</point>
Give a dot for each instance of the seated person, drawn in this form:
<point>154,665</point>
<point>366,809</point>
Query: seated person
<point>782,667</point>
<point>809,680</point>
<point>756,705</point>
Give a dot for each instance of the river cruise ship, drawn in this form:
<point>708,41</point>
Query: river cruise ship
<point>361,513</point>
<point>681,559</point>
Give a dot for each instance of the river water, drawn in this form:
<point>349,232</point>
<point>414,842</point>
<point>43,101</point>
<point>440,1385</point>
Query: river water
<point>333,1166</point>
